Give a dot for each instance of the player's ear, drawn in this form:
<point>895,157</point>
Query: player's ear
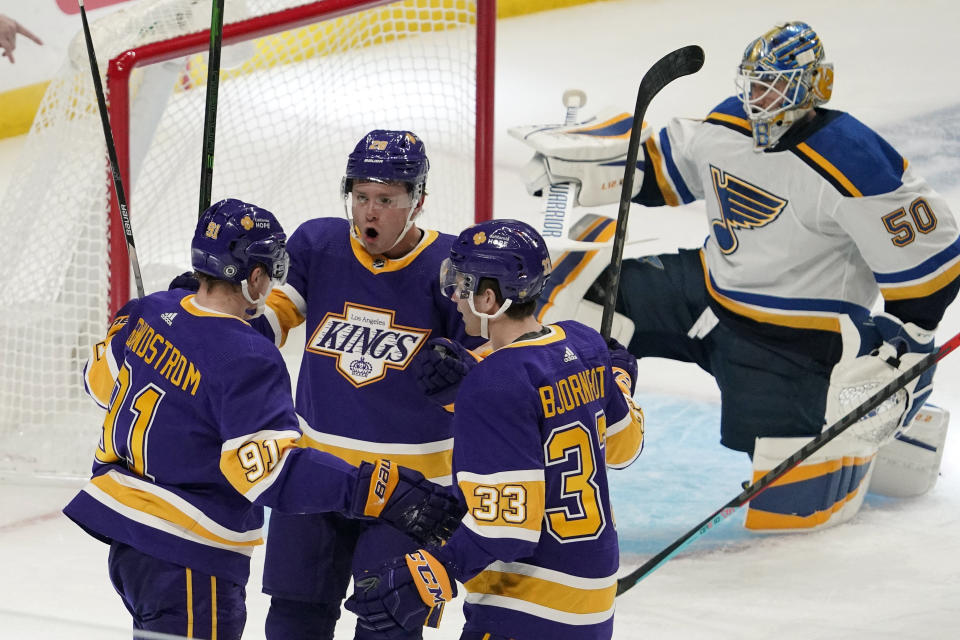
<point>419,208</point>
<point>486,301</point>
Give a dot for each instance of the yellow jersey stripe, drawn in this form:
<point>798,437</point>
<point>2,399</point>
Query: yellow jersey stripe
<point>659,172</point>
<point>515,505</point>
<point>436,466</point>
<point>924,288</point>
<point>185,525</point>
<point>829,168</point>
<point>545,593</point>
<point>821,323</point>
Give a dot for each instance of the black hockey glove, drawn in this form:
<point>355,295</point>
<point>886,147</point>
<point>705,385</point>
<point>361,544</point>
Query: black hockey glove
<point>407,501</point>
<point>185,280</point>
<point>440,367</point>
<point>403,595</point>
<point>624,365</point>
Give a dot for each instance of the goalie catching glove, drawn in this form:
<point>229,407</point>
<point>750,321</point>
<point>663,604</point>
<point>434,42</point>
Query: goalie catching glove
<point>875,352</point>
<point>406,500</point>
<point>402,596</point>
<point>591,154</point>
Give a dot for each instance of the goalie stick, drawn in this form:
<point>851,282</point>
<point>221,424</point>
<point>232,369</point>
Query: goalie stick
<point>675,64</point>
<point>753,490</point>
<point>112,152</point>
<point>210,114</point>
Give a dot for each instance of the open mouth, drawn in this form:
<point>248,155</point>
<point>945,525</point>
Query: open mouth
<point>370,233</point>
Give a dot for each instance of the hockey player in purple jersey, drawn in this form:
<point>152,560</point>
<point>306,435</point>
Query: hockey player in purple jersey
<point>813,221</point>
<point>536,424</point>
<point>200,434</point>
<point>366,287</point>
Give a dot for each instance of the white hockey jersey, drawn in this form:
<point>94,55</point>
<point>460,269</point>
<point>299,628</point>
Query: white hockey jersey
<point>817,227</point>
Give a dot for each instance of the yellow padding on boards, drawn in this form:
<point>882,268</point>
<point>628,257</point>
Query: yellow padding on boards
<point>20,105</point>
<point>19,108</point>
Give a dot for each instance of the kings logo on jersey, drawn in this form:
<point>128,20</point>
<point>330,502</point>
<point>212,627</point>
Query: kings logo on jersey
<point>742,206</point>
<point>366,342</point>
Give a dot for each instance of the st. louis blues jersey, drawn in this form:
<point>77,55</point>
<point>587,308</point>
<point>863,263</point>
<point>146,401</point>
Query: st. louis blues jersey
<point>367,317</point>
<point>814,228</point>
<point>536,423</point>
<point>199,432</point>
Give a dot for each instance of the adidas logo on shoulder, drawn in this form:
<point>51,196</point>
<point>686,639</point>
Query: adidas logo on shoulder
<point>168,317</point>
<point>568,355</point>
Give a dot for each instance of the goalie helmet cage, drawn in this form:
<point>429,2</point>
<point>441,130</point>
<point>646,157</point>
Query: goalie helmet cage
<point>300,83</point>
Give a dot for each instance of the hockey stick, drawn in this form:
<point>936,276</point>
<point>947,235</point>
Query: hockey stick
<point>112,152</point>
<point>781,469</point>
<point>210,115</point>
<point>675,64</point>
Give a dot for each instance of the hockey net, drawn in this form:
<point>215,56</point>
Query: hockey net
<point>300,83</point>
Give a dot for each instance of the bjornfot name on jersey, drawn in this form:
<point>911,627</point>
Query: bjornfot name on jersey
<point>366,342</point>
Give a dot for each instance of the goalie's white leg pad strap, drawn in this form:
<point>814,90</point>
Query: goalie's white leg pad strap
<point>824,490</point>
<point>910,464</point>
<point>574,271</point>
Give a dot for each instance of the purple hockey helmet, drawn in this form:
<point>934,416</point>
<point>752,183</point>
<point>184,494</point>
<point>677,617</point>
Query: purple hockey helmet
<point>233,237</point>
<point>389,156</point>
<point>508,251</point>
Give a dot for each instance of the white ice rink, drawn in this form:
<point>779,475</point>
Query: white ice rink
<point>893,572</point>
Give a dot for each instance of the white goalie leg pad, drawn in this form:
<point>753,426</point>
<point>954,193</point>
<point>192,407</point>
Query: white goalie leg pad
<point>574,272</point>
<point>909,465</point>
<point>824,490</point>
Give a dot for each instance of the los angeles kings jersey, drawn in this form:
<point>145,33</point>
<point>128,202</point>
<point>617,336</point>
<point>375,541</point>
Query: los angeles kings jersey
<point>817,227</point>
<point>536,423</point>
<point>200,430</point>
<point>366,318</point>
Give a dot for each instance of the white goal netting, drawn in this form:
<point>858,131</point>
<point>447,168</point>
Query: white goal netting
<point>299,86</point>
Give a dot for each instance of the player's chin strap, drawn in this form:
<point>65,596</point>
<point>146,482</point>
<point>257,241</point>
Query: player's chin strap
<point>354,231</point>
<point>260,304</point>
<point>485,318</point>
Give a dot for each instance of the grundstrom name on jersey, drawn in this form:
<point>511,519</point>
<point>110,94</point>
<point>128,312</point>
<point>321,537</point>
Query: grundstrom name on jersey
<point>366,342</point>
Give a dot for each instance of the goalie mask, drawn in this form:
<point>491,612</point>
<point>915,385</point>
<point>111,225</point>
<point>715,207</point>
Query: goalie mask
<point>232,238</point>
<point>510,252</point>
<point>781,78</point>
<point>387,157</point>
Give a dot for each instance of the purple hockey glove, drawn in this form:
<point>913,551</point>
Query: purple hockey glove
<point>440,367</point>
<point>405,594</point>
<point>624,366</point>
<point>185,280</point>
<point>407,501</point>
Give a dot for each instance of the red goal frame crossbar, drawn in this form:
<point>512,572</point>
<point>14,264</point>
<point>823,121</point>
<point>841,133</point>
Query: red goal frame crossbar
<point>118,86</point>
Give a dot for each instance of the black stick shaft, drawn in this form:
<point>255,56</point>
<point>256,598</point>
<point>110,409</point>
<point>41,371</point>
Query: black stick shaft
<point>210,115</point>
<point>675,64</point>
<point>112,153</point>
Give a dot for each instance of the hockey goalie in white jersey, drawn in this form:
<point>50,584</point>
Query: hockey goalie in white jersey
<point>812,218</point>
